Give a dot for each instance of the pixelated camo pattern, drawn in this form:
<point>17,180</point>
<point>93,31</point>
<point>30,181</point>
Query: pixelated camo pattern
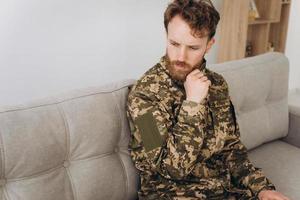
<point>185,150</point>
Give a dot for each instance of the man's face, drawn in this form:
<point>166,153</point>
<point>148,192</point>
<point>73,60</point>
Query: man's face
<point>184,51</point>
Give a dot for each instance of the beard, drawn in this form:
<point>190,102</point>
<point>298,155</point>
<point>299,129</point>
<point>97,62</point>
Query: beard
<point>179,70</point>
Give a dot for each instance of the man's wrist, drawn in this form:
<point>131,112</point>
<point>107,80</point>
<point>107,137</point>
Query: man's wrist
<point>202,101</point>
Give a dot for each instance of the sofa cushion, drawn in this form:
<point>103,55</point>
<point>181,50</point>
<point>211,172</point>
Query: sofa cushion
<point>258,87</point>
<point>294,118</point>
<point>72,146</point>
<point>280,162</point>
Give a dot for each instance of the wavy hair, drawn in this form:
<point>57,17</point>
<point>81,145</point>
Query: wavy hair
<point>200,15</point>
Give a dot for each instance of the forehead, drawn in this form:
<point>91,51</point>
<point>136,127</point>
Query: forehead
<point>180,31</point>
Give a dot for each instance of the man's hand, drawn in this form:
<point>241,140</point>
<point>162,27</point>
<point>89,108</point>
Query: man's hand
<point>271,195</point>
<point>196,86</point>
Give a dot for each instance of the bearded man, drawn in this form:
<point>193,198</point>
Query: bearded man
<point>185,139</point>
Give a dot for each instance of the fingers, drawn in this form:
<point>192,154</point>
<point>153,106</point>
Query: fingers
<point>195,71</point>
<point>196,74</point>
<point>208,82</point>
<point>273,195</point>
<point>282,197</point>
<point>285,198</point>
<point>202,78</point>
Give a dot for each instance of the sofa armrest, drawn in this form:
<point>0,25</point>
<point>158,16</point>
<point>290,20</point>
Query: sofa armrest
<point>293,136</point>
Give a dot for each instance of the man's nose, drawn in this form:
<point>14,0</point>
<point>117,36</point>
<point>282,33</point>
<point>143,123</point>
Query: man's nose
<point>182,54</point>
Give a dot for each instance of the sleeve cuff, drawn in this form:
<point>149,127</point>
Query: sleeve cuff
<point>267,187</point>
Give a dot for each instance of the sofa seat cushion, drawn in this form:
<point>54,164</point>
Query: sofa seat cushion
<point>280,162</point>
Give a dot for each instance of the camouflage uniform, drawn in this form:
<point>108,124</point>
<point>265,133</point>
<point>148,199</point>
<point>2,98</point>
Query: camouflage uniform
<point>188,150</point>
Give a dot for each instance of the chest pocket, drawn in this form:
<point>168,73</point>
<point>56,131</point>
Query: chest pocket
<point>220,111</point>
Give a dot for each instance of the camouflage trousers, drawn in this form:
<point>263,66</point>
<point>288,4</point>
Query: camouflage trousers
<point>166,196</point>
<point>210,189</point>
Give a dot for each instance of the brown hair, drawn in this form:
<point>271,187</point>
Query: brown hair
<point>201,16</point>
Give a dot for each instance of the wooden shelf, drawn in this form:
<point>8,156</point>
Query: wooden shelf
<point>285,1</point>
<point>241,37</point>
<point>261,21</point>
<point>258,37</point>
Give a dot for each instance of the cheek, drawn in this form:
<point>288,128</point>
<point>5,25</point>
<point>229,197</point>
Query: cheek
<point>171,52</point>
<point>196,57</point>
<point>198,54</point>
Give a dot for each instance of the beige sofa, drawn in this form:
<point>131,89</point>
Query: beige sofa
<point>74,145</point>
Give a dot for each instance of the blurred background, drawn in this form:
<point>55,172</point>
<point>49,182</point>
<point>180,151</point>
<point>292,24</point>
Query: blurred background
<point>51,46</point>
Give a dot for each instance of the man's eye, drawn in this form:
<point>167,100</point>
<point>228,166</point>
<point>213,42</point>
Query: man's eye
<point>194,48</point>
<point>175,44</point>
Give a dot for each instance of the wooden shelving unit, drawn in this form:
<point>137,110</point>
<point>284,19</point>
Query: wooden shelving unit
<point>241,37</point>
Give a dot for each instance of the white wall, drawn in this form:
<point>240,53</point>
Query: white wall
<point>293,45</point>
<point>52,46</point>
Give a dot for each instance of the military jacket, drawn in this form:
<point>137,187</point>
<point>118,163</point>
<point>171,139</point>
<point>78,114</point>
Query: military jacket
<point>188,150</point>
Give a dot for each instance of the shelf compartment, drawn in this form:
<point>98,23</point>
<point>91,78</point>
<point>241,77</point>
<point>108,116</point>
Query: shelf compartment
<point>286,2</point>
<point>269,9</point>
<point>278,31</point>
<point>257,36</point>
<point>261,21</point>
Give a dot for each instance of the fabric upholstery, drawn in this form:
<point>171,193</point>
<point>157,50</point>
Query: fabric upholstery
<point>280,161</point>
<point>73,146</point>
<point>294,119</point>
<point>258,87</point>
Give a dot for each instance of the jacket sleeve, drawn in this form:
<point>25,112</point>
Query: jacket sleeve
<point>160,144</point>
<point>242,171</point>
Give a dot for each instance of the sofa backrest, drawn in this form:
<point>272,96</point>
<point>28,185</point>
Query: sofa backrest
<point>258,87</point>
<point>72,146</point>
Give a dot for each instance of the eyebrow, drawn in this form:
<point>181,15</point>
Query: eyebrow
<point>195,46</point>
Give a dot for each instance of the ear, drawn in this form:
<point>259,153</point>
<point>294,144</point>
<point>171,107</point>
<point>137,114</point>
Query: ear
<point>209,45</point>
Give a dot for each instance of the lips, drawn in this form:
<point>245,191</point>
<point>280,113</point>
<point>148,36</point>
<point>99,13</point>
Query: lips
<point>180,66</point>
